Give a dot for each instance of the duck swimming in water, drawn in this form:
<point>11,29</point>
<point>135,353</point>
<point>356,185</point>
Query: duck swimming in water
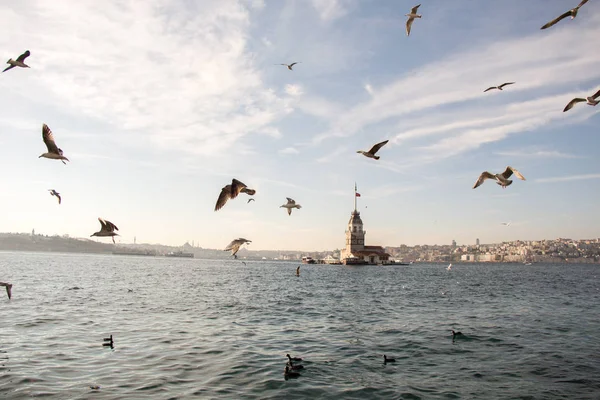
<point>288,373</point>
<point>294,367</point>
<point>293,358</point>
<point>456,334</point>
<point>387,360</point>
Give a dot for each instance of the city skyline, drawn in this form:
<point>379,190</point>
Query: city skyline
<point>158,106</point>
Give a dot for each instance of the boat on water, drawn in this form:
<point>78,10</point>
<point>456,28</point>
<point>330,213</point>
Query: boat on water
<point>308,260</point>
<point>179,254</point>
<point>133,252</point>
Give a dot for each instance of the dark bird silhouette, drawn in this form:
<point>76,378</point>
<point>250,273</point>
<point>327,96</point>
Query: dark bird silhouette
<point>8,287</point>
<point>295,367</point>
<point>501,179</point>
<point>107,228</point>
<point>288,373</point>
<point>231,191</point>
<point>55,193</point>
<point>571,13</point>
<point>298,271</point>
<point>374,149</point>
<point>456,334</point>
<point>387,360</point>
<point>19,62</point>
<point>293,358</point>
<point>498,87</point>
<point>249,200</point>
<point>289,66</point>
<point>592,101</point>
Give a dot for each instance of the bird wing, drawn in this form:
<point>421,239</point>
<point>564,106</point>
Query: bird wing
<point>573,102</point>
<point>290,201</point>
<point>505,84</point>
<point>490,88</point>
<point>23,56</point>
<point>59,199</point>
<point>236,188</point>
<point>9,290</point>
<point>554,21</point>
<point>596,95</point>
<point>102,224</point>
<point>415,8</point>
<point>48,138</point>
<point>7,68</point>
<point>409,22</point>
<point>249,200</point>
<point>111,227</point>
<point>582,3</point>
<point>510,170</point>
<point>294,63</point>
<point>376,148</point>
<point>232,245</point>
<point>223,197</point>
<point>484,175</point>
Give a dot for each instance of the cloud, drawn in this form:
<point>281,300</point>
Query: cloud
<point>293,90</point>
<point>329,10</point>
<point>536,154</point>
<point>288,150</point>
<point>332,156</point>
<point>369,89</point>
<point>568,178</point>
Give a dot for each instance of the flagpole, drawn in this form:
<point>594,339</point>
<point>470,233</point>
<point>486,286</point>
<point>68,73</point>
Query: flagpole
<point>354,196</point>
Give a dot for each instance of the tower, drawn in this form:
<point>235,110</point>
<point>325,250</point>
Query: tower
<point>355,235</point>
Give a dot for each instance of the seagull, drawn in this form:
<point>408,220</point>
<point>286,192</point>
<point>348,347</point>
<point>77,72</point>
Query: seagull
<point>506,223</point>
<point>54,152</point>
<point>8,287</point>
<point>290,204</point>
<point>374,149</point>
<point>501,179</point>
<point>289,66</point>
<point>411,17</point>
<point>55,193</point>
<point>235,245</point>
<point>231,192</point>
<point>19,63</point>
<point>572,13</point>
<point>251,199</point>
<point>107,229</point>
<point>498,87</point>
<point>589,100</point>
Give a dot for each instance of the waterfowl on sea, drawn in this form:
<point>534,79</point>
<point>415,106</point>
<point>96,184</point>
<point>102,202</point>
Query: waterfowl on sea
<point>290,204</point>
<point>293,358</point>
<point>571,13</point>
<point>54,152</point>
<point>411,17</point>
<point>288,373</point>
<point>387,360</point>
<point>294,367</point>
<point>374,149</point>
<point>107,229</point>
<point>455,334</point>
<point>231,191</point>
<point>501,179</point>
<point>498,87</point>
<point>289,66</point>
<point>55,193</point>
<point>591,100</point>
<point>19,62</point>
<point>235,245</point>
<point>8,287</point>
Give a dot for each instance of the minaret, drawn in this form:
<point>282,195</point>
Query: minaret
<point>355,235</point>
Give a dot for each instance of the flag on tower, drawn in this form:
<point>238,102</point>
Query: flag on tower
<point>357,194</point>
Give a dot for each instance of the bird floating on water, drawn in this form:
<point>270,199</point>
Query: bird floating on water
<point>289,66</point>
<point>107,229</point>
<point>571,13</point>
<point>501,179</point>
<point>288,373</point>
<point>8,287</point>
<point>235,245</point>
<point>291,203</point>
<point>20,62</point>
<point>54,152</point>
<point>55,193</point>
<point>290,358</point>
<point>294,367</point>
<point>456,334</point>
<point>231,191</point>
<point>592,101</point>
<point>411,17</point>
<point>374,149</point>
<point>498,87</point>
<point>387,360</point>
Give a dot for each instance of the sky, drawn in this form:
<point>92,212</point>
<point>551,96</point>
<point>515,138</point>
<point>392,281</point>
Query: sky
<point>159,104</point>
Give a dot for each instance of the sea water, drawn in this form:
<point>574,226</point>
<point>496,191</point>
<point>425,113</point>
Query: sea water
<point>219,329</point>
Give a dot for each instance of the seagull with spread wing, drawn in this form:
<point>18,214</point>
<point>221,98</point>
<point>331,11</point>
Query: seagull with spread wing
<point>20,62</point>
<point>289,66</point>
<point>498,87</point>
<point>411,17</point>
<point>501,179</point>
<point>571,13</point>
<point>235,245</point>
<point>290,204</point>
<point>592,101</point>
<point>8,287</point>
<point>55,193</point>
<point>231,192</point>
<point>107,229</point>
<point>374,149</point>
<point>53,153</point>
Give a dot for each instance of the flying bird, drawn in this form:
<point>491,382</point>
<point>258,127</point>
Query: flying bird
<point>374,149</point>
<point>19,63</point>
<point>235,245</point>
<point>290,204</point>
<point>107,229</point>
<point>55,193</point>
<point>411,17</point>
<point>592,101</point>
<point>572,13</point>
<point>498,87</point>
<point>54,152</point>
<point>506,223</point>
<point>250,199</point>
<point>231,192</point>
<point>501,179</point>
<point>289,66</point>
<point>8,287</point>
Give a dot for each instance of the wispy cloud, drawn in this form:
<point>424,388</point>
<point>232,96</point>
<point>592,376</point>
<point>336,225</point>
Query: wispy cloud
<point>293,89</point>
<point>288,150</point>
<point>332,9</point>
<point>568,178</point>
<point>536,154</point>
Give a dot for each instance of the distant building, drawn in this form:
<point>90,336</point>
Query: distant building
<point>477,242</point>
<point>453,243</point>
<point>356,252</point>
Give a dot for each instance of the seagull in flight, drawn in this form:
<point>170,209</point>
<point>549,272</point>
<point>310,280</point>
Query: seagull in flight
<point>55,193</point>
<point>592,101</point>
<point>107,229</point>
<point>54,153</point>
<point>250,199</point>
<point>506,223</point>
<point>235,245</point>
<point>501,179</point>
<point>498,87</point>
<point>290,204</point>
<point>19,63</point>
<point>571,13</point>
<point>374,149</point>
<point>411,17</point>
<point>289,66</point>
<point>8,287</point>
<point>231,192</point>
